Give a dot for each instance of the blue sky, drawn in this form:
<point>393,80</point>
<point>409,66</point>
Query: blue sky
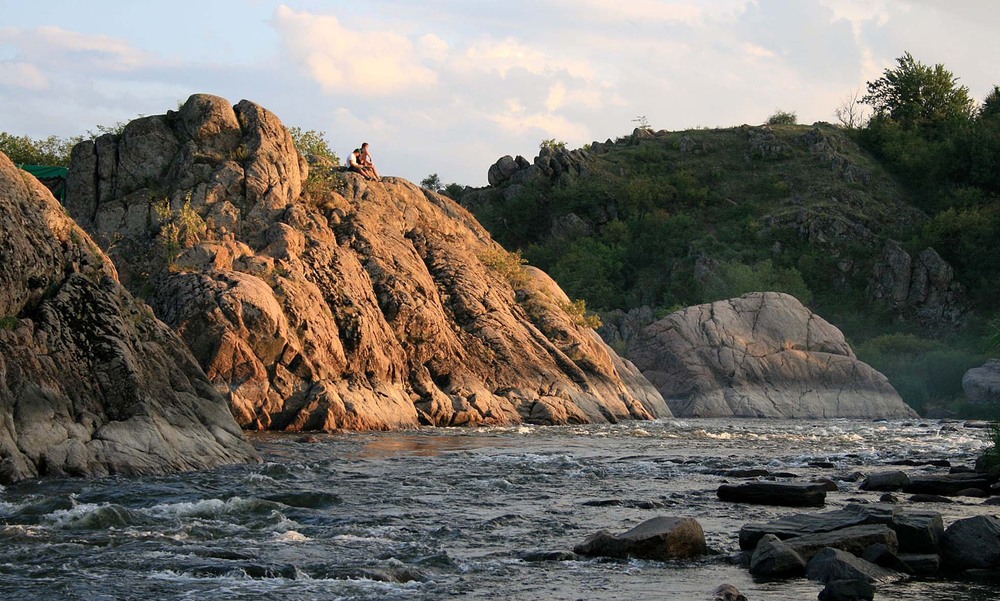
<point>449,86</point>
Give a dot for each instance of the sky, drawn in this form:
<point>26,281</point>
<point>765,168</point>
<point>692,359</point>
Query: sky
<point>450,86</point>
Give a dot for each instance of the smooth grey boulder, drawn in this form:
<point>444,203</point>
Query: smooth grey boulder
<point>661,538</point>
<point>972,543</point>
<point>91,383</point>
<point>918,532</point>
<point>982,384</point>
<point>760,355</point>
<point>773,558</point>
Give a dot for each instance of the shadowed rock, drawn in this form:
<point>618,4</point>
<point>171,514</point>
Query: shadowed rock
<point>786,494</point>
<point>91,383</point>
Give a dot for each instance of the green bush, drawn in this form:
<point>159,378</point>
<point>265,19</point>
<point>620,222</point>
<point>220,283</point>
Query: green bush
<point>781,117</point>
<point>732,279</point>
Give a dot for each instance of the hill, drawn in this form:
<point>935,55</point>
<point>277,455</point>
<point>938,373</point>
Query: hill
<point>656,221</point>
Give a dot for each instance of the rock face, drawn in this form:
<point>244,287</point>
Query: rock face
<point>372,306</point>
<point>91,383</point>
<point>923,287</point>
<point>760,355</point>
<point>982,384</point>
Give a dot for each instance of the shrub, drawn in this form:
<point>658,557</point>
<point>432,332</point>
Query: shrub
<point>577,310</point>
<point>781,117</point>
<point>509,265</point>
<point>732,279</point>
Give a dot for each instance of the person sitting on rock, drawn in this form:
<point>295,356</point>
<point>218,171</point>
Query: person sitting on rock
<point>354,163</point>
<point>368,163</point>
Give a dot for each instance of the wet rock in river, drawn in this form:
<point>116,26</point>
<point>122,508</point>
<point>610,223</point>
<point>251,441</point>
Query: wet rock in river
<point>661,538</point>
<point>785,494</point>
<point>883,556</point>
<point>831,564</point>
<point>972,543</point>
<point>847,590</point>
<point>949,485</point>
<point>854,539</point>
<point>774,559</point>
<point>918,531</point>
<point>886,481</point>
<point>728,592</point>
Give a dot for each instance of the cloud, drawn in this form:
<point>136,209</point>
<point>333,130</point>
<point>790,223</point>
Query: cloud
<point>343,61</point>
<point>22,75</point>
<point>502,56</point>
<point>57,49</point>
<point>517,120</point>
<point>654,11</point>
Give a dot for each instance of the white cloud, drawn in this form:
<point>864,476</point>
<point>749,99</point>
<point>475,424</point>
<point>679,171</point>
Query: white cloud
<point>57,49</point>
<point>22,75</point>
<point>654,11</point>
<point>517,120</point>
<point>344,61</point>
<point>502,56</point>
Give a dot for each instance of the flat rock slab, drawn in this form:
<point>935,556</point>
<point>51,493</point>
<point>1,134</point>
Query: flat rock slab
<point>661,538</point>
<point>801,524</point>
<point>948,485</point>
<point>853,540</point>
<point>830,565</point>
<point>785,494</point>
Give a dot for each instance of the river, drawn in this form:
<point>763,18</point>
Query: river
<point>452,513</point>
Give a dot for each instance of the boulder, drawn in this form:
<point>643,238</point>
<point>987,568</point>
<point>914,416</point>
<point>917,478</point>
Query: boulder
<point>924,564</point>
<point>918,532</point>
<point>357,305</point>
<point>885,481</point>
<point>661,538</point>
<point>91,383</point>
<point>801,524</point>
<point>727,592</point>
<point>785,494</point>
<point>854,540</point>
<point>847,590</point>
<point>922,287</point>
<point>948,485</point>
<point>760,355</point>
<point>830,564</point>
<point>972,543</point>
<point>774,559</point>
<point>982,384</point>
<point>883,556</point>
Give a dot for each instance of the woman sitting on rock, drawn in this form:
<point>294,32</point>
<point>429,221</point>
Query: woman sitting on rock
<point>354,163</point>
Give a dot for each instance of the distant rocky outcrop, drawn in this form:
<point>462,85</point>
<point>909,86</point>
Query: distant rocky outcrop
<point>982,384</point>
<point>91,383</point>
<point>923,287</point>
<point>372,306</point>
<point>760,355</point>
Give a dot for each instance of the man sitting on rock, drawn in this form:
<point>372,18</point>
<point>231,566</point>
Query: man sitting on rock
<point>354,163</point>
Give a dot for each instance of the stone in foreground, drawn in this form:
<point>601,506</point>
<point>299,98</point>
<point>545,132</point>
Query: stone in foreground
<point>661,538</point>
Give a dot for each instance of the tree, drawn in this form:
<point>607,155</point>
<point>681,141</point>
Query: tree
<point>850,113</point>
<point>781,117</point>
<point>991,105</point>
<point>53,151</point>
<point>431,182</point>
<point>312,142</point>
<point>915,96</point>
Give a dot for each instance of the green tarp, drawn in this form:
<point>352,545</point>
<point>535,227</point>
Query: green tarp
<point>54,178</point>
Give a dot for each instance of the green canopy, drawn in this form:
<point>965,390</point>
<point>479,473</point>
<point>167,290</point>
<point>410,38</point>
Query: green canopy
<point>54,178</point>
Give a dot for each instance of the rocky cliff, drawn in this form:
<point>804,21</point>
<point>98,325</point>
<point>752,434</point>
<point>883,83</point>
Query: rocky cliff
<point>361,305</point>
<point>91,383</point>
<point>760,355</point>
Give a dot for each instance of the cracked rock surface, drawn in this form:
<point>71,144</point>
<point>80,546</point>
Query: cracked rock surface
<point>760,355</point>
<point>363,305</point>
<point>91,383</point>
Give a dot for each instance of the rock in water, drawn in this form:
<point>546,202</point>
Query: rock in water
<point>661,538</point>
<point>91,383</point>
<point>760,355</point>
<point>357,305</point>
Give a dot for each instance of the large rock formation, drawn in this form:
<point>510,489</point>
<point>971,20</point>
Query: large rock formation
<point>760,355</point>
<point>91,383</point>
<point>372,306</point>
<point>922,287</point>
